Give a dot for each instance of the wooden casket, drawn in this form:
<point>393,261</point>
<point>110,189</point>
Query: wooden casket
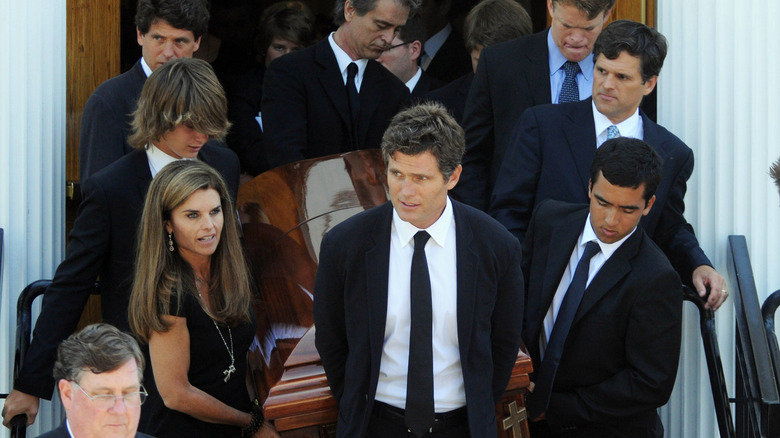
<point>284,214</point>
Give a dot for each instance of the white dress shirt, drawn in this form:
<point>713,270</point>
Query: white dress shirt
<point>411,83</point>
<point>157,159</point>
<point>448,389</point>
<point>145,67</point>
<point>344,60</point>
<point>632,127</point>
<point>598,260</point>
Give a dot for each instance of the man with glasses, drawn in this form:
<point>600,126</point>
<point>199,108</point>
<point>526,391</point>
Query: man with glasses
<point>99,372</point>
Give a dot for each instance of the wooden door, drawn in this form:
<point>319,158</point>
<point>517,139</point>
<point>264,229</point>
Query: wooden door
<point>92,57</point>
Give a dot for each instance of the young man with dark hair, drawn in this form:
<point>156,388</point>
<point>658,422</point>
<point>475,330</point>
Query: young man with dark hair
<point>553,146</point>
<point>401,58</point>
<point>166,30</point>
<point>603,305</point>
<point>419,301</point>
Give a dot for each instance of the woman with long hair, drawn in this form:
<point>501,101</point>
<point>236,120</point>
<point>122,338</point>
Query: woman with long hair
<point>191,303</point>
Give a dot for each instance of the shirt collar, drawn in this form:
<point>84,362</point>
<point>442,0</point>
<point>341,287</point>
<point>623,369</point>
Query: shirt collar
<point>145,66</point>
<point>607,249</point>
<point>434,43</point>
<point>411,83</point>
<point>157,159</point>
<point>628,128</point>
<point>438,230</point>
<point>557,59</point>
<point>343,60</point>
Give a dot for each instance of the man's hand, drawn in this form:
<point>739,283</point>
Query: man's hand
<point>19,403</point>
<point>267,430</point>
<point>704,276</point>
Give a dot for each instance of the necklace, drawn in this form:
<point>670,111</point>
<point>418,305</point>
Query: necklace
<point>232,368</point>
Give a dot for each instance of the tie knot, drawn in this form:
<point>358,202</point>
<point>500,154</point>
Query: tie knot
<point>571,68</point>
<point>591,248</point>
<point>352,70</point>
<point>612,132</point>
<point>420,239</point>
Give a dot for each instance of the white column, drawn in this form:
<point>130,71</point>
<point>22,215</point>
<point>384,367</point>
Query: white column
<point>718,92</point>
<point>32,163</point>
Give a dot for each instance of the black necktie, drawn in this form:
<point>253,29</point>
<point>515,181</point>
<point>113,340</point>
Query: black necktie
<point>419,382</point>
<point>570,92</point>
<point>540,398</point>
<point>354,101</point>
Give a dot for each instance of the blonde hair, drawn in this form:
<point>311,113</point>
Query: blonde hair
<point>161,275</point>
<point>182,91</point>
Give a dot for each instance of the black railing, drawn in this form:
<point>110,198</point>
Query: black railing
<point>757,398</point>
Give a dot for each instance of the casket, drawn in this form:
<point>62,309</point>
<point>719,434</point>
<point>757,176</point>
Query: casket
<point>285,212</point>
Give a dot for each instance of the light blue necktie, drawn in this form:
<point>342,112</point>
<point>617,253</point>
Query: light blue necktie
<point>612,132</point>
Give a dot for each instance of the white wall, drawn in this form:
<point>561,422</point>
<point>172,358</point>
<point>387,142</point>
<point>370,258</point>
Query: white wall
<point>32,153</point>
<point>717,92</point>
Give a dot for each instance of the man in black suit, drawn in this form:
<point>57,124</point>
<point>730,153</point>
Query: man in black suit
<point>520,74</point>
<point>181,106</point>
<point>489,22</point>
<point>402,56</point>
<point>374,315</point>
<point>95,368</point>
<point>444,55</point>
<point>549,154</point>
<point>603,305</point>
<point>166,30</point>
<point>314,104</point>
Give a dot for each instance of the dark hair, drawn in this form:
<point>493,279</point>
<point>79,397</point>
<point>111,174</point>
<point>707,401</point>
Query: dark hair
<point>192,15</point>
<point>637,40</point>
<point>426,127</point>
<point>362,7</point>
<point>774,172</point>
<point>495,21</point>
<point>591,8</point>
<point>163,277</point>
<point>97,348</point>
<point>291,20</point>
<point>413,30</point>
<point>628,162</point>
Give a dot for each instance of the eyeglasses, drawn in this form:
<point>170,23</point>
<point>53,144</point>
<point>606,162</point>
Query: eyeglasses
<point>107,401</point>
<point>397,45</point>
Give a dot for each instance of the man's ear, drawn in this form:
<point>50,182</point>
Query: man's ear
<point>139,36</point>
<point>648,206</point>
<point>349,10</point>
<point>66,393</point>
<point>415,49</point>
<point>650,84</point>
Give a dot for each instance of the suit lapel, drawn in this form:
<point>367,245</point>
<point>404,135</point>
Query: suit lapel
<point>143,175</point>
<point>617,267</point>
<point>371,91</point>
<point>377,260</point>
<point>331,80</point>
<point>581,138</point>
<point>467,260</point>
<point>538,73</point>
<point>653,136</point>
<point>557,260</point>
